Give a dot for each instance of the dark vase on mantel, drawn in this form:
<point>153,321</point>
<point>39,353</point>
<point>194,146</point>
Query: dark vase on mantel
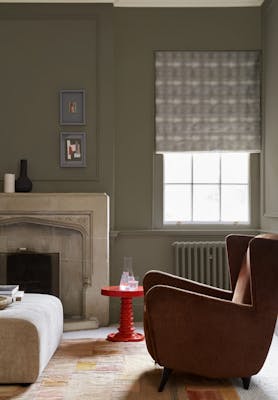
<point>23,183</point>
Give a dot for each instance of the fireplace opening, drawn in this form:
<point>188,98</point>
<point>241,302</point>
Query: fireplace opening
<point>33,272</point>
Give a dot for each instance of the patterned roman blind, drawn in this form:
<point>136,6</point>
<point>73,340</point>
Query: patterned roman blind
<point>207,100</point>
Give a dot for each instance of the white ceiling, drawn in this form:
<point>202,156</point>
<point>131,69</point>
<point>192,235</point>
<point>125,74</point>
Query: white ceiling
<point>155,3</point>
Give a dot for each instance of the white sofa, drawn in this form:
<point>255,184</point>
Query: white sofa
<point>30,332</point>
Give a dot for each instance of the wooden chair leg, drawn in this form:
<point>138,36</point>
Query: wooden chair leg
<point>164,378</point>
<point>246,382</point>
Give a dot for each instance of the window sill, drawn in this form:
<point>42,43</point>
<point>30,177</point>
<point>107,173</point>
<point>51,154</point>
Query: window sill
<point>186,231</point>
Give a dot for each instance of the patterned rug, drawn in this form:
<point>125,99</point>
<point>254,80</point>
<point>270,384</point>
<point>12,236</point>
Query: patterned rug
<point>101,370</point>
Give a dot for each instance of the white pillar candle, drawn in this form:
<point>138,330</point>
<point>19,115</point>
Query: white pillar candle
<point>9,183</point>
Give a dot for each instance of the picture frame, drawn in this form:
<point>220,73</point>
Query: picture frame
<point>72,149</point>
<point>72,107</point>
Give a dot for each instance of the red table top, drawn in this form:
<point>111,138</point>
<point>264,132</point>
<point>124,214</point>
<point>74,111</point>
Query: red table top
<point>115,291</point>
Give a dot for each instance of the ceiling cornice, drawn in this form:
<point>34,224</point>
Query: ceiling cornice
<point>188,3</point>
<point>153,3</point>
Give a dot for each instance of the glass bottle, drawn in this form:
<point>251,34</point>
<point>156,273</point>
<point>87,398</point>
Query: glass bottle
<point>127,274</point>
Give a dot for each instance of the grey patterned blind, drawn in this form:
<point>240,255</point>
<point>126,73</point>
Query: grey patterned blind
<point>207,100</point>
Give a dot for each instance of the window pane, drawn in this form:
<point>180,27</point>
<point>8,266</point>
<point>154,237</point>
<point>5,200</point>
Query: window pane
<point>177,168</point>
<point>177,203</point>
<point>234,203</point>
<point>205,189</point>
<point>206,168</point>
<point>234,167</point>
<point>206,203</point>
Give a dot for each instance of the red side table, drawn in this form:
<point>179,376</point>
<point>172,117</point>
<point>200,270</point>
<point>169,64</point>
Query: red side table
<point>126,329</point>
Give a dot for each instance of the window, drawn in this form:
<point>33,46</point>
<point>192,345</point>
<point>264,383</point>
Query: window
<point>207,138</point>
<point>206,187</point>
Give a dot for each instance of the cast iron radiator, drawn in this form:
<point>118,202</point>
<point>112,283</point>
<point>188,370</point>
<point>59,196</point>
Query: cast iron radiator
<point>205,262</point>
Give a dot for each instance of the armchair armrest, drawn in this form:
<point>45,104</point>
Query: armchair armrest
<point>153,278</point>
<point>193,332</point>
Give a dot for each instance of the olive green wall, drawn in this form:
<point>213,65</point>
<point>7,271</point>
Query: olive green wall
<point>138,33</point>
<point>45,49</point>
<point>109,52</point>
<point>270,120</point>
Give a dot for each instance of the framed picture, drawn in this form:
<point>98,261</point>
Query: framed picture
<point>72,149</point>
<point>72,107</point>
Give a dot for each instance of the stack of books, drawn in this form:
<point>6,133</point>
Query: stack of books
<point>12,291</point>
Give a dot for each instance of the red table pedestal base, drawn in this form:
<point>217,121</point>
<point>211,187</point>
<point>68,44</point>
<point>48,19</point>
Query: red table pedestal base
<point>117,337</point>
<point>126,329</point>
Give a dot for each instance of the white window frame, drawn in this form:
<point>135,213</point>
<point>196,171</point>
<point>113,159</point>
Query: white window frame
<point>254,200</point>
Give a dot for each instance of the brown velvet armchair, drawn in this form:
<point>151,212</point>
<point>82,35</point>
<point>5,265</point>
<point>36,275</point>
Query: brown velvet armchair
<point>195,328</point>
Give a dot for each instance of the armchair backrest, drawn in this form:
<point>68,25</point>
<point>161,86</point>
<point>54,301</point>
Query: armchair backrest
<point>242,292</point>
<point>237,246</point>
<point>264,272</point>
<point>253,263</point>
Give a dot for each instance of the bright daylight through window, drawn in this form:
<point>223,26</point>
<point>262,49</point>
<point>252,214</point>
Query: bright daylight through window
<point>206,187</point>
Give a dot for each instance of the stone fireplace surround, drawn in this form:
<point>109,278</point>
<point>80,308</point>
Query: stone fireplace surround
<point>80,222</point>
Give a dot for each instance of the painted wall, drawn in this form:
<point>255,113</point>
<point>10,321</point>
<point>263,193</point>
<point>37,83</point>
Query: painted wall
<point>45,49</point>
<point>138,33</point>
<point>108,52</point>
<point>270,120</point>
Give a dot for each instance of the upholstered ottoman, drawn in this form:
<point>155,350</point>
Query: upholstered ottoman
<point>30,331</point>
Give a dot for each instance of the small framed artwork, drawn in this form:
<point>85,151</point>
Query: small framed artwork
<point>72,107</point>
<point>73,149</point>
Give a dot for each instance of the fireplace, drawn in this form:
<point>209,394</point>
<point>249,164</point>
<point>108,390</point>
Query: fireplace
<point>68,231</point>
<point>33,272</point>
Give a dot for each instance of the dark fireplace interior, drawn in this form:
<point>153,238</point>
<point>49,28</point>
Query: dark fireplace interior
<point>33,272</point>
